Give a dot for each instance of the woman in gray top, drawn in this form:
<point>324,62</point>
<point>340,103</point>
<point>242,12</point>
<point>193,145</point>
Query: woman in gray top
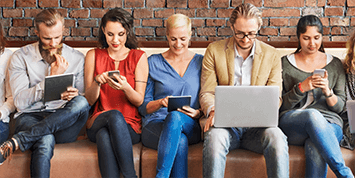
<point>309,115</point>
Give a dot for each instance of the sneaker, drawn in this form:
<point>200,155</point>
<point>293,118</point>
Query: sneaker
<point>5,151</point>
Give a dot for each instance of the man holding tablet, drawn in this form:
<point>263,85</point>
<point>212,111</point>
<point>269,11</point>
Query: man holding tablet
<point>39,126</point>
<point>241,60</point>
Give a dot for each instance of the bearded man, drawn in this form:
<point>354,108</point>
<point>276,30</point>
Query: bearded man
<point>39,126</point>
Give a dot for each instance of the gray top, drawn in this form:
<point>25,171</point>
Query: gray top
<point>293,98</point>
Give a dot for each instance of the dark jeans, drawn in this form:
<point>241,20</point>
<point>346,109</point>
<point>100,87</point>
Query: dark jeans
<point>171,137</point>
<point>39,131</point>
<point>114,139</point>
<point>4,131</point>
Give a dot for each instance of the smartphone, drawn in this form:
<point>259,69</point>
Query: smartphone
<point>110,74</point>
<point>319,72</point>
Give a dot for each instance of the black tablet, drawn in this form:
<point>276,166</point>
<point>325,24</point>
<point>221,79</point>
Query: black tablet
<point>175,102</point>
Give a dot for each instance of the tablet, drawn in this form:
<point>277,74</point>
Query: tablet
<point>56,85</point>
<point>175,102</point>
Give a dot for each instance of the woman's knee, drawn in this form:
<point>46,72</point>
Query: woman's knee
<point>174,119</point>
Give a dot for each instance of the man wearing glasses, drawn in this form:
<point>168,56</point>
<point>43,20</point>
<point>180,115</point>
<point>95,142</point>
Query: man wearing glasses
<point>241,60</point>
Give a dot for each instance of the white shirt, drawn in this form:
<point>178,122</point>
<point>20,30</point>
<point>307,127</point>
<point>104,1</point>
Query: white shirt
<point>27,73</point>
<point>6,101</point>
<point>243,68</point>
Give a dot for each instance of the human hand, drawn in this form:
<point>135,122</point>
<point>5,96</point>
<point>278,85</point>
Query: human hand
<point>164,101</point>
<point>120,84</point>
<point>69,94</point>
<point>59,66</point>
<point>191,112</point>
<point>209,122</point>
<point>322,83</point>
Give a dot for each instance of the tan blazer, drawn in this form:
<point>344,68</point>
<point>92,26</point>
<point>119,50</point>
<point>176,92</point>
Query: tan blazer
<point>218,68</point>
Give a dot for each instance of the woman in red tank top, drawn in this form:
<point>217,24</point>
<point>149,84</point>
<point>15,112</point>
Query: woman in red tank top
<point>115,123</point>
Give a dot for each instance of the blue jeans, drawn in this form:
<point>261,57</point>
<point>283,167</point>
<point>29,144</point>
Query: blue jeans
<point>320,138</point>
<point>39,131</point>
<point>269,141</point>
<point>114,139</point>
<point>171,137</point>
<point>4,131</point>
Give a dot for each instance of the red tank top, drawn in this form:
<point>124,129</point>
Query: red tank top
<point>110,98</point>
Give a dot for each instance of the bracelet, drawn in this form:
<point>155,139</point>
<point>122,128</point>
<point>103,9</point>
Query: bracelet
<point>300,87</point>
<point>140,81</point>
<point>97,81</point>
<point>330,95</point>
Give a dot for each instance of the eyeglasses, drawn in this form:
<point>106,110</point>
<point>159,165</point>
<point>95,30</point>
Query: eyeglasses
<point>242,35</point>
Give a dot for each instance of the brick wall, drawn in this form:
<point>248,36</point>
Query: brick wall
<point>209,17</point>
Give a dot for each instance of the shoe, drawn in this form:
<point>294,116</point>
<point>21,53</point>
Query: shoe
<point>5,151</point>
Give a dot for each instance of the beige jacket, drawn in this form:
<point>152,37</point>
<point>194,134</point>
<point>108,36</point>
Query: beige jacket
<point>218,68</point>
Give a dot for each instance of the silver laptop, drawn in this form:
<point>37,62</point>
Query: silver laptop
<point>350,107</point>
<point>246,106</point>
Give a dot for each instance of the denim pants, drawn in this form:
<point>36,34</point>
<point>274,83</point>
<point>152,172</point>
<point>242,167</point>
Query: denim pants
<point>269,141</point>
<point>114,139</point>
<point>320,138</point>
<point>39,131</point>
<point>171,137</point>
<point>4,131</point>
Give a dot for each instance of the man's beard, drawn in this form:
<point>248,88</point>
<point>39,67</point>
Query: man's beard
<point>47,55</point>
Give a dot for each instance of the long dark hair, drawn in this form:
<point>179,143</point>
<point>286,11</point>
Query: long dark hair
<point>123,17</point>
<point>308,21</point>
<point>2,40</point>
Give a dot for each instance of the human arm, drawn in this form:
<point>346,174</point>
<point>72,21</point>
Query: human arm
<point>24,91</point>
<point>92,88</point>
<point>8,106</point>
<point>275,76</point>
<point>208,85</point>
<point>135,96</point>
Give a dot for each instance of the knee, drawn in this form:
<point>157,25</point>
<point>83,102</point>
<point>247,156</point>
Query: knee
<point>275,138</point>
<point>215,140</point>
<point>115,117</point>
<point>314,118</point>
<point>80,103</point>
<point>174,119</point>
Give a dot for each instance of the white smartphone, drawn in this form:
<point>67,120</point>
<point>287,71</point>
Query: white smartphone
<point>320,72</point>
<point>110,74</point>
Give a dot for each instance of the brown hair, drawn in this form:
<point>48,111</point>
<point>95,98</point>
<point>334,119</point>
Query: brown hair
<point>49,17</point>
<point>247,11</point>
<point>2,40</point>
<point>349,58</point>
<point>123,17</point>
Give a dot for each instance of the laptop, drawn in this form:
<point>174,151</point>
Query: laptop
<point>246,106</point>
<point>350,107</point>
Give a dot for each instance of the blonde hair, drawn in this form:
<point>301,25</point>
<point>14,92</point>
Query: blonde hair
<point>349,63</point>
<point>178,20</point>
<point>247,11</point>
<point>49,17</point>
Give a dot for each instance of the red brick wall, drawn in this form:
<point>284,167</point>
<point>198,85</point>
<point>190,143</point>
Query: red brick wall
<point>209,17</point>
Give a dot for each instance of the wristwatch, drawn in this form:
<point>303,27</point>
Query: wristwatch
<point>331,94</point>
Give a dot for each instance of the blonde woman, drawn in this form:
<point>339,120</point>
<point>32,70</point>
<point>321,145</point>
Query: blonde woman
<point>175,72</point>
